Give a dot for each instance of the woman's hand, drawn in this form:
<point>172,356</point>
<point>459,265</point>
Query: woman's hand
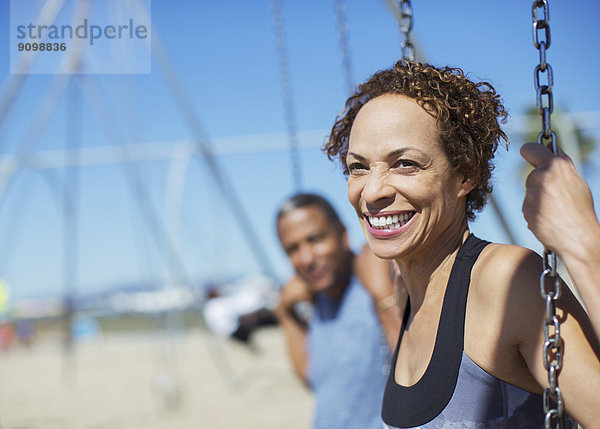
<point>558,205</point>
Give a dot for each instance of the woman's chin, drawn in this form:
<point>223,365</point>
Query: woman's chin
<point>383,250</point>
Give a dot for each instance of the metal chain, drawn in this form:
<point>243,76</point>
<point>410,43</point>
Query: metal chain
<point>406,25</point>
<point>288,100</point>
<point>553,343</point>
<point>342,26</point>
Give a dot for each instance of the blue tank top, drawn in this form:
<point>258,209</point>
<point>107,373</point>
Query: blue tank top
<point>454,392</point>
<point>349,361</point>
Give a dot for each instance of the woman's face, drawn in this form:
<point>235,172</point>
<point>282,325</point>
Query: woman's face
<point>400,181</point>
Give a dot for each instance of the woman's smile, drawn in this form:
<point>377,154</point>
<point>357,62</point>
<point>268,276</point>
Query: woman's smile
<point>388,224</point>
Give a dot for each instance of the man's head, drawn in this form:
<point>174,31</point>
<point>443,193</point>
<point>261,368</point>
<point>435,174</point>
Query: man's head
<point>316,242</point>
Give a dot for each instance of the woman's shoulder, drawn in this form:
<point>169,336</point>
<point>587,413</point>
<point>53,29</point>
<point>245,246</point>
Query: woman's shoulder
<point>509,254</point>
<point>507,271</point>
<point>505,292</point>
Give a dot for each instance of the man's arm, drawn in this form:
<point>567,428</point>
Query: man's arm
<point>559,210</point>
<point>294,330</point>
<point>388,295</point>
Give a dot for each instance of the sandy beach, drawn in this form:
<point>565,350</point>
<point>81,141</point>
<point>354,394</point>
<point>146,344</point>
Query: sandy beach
<point>152,381</point>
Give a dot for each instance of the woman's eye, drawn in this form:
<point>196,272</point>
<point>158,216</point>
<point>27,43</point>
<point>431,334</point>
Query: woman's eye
<point>356,167</point>
<point>406,164</point>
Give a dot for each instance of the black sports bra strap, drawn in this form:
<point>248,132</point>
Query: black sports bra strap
<point>470,249</point>
<point>424,400</point>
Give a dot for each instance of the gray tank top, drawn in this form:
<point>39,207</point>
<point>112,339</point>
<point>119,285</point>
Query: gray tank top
<point>454,392</point>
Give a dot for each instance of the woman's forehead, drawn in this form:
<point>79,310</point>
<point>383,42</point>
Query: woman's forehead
<point>394,107</point>
<point>394,120</point>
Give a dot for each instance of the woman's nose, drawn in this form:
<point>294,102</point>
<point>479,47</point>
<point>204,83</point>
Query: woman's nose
<point>377,190</point>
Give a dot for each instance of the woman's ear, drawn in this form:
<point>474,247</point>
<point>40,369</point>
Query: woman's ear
<point>466,186</point>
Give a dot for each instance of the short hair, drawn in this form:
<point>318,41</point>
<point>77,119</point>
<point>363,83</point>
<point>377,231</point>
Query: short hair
<point>467,116</point>
<point>302,200</point>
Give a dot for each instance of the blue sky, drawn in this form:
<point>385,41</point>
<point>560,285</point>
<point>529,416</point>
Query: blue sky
<point>224,56</point>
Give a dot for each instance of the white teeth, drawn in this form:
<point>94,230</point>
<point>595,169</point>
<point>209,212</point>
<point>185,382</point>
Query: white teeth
<point>389,222</point>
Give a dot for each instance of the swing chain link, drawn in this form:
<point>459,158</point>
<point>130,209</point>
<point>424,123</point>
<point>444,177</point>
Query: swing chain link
<point>553,342</point>
<point>543,69</point>
<point>342,27</point>
<point>406,25</point>
<point>288,99</point>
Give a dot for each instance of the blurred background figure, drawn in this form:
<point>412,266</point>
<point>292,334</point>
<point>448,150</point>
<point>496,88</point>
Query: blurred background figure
<point>341,352</point>
<point>25,330</point>
<point>7,332</point>
<point>238,309</point>
<point>7,335</point>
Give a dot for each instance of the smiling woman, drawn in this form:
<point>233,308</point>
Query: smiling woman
<point>417,143</point>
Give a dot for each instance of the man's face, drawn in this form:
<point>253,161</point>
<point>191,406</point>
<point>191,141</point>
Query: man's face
<point>317,249</point>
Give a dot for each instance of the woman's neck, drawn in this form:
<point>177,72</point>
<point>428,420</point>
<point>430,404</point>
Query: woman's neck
<point>426,275</point>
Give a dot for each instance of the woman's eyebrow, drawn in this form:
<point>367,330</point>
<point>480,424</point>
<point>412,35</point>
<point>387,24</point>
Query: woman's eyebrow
<point>392,154</point>
<point>357,156</point>
<point>401,151</point>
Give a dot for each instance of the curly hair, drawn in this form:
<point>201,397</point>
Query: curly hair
<point>468,117</point>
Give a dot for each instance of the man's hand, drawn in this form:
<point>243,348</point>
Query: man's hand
<point>295,291</point>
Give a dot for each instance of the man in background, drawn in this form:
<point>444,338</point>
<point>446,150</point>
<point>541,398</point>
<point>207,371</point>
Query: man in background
<point>342,351</point>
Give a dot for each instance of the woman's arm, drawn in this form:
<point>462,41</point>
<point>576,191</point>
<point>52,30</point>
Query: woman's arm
<point>559,210</point>
<point>517,271</point>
